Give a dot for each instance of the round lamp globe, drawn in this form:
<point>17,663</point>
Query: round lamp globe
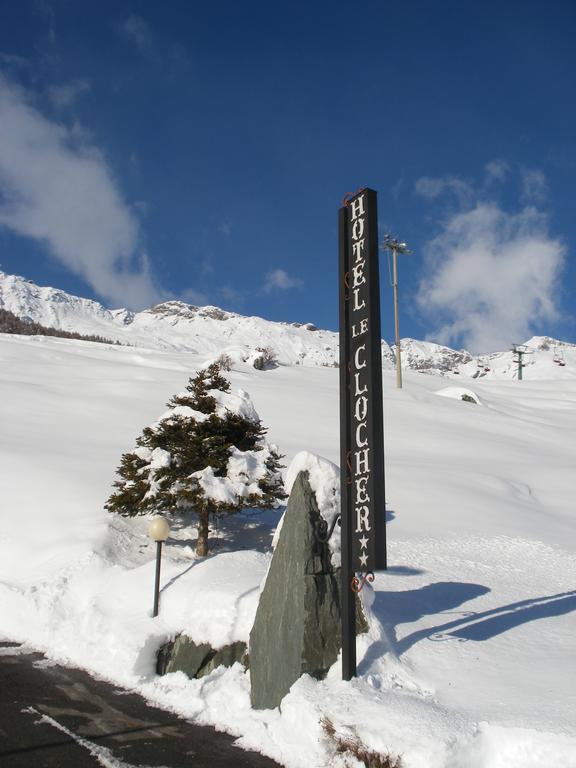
<point>159,530</point>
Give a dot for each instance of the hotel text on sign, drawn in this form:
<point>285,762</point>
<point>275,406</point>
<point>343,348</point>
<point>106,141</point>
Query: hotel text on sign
<point>361,385</point>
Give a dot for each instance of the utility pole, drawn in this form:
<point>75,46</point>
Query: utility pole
<point>396,247</point>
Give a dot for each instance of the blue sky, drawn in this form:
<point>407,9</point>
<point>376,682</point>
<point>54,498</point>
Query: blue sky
<point>201,151</point>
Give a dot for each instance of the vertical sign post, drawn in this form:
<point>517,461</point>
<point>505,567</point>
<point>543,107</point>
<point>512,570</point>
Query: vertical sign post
<point>363,513</point>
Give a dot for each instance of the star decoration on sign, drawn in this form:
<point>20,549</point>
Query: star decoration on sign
<point>363,559</point>
<point>363,542</point>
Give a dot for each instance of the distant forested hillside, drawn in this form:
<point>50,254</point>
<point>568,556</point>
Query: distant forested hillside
<point>11,323</point>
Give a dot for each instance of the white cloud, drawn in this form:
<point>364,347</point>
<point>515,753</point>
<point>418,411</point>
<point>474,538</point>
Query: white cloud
<point>179,62</point>
<point>13,60</point>
<point>59,190</point>
<point>496,170</point>
<point>280,279</point>
<point>225,228</point>
<point>138,31</point>
<point>64,95</point>
<point>431,188</point>
<point>192,296</point>
<point>234,297</point>
<point>492,277</point>
<point>397,187</point>
<point>534,185</point>
<point>45,7</point>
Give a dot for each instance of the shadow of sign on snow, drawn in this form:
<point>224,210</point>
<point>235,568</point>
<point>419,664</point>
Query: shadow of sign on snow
<point>403,570</point>
<point>484,626</point>
<point>395,608</point>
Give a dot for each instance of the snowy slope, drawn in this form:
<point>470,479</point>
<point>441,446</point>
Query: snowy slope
<point>470,659</point>
<point>177,326</point>
<point>172,325</point>
<point>52,307</point>
<point>546,358</point>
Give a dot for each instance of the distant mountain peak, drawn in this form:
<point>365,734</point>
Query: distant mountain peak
<point>189,311</point>
<point>211,331</point>
<point>547,342</point>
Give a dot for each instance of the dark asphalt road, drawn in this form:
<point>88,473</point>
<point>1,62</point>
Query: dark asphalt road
<point>59,717</point>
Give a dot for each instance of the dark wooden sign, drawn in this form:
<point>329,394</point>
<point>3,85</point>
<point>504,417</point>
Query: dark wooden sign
<point>363,513</point>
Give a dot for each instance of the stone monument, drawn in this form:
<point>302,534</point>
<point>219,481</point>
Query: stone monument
<point>297,629</point>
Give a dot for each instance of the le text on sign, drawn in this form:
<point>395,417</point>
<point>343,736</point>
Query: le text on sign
<point>365,454</point>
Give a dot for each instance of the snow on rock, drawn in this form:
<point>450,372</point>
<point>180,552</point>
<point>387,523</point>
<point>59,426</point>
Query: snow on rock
<point>427,357</point>
<point>324,477</point>
<point>215,600</point>
<point>97,615</point>
<point>459,393</point>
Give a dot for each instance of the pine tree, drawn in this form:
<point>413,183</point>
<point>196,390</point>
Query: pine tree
<point>206,455</point>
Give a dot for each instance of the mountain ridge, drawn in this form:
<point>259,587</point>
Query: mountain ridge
<point>177,326</point>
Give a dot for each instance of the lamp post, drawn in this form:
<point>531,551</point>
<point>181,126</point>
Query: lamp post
<point>159,531</point>
<point>396,247</point>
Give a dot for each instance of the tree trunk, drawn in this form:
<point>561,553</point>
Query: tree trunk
<point>202,541</point>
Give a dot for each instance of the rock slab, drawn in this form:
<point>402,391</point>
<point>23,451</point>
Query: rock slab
<point>297,629</point>
<point>197,659</point>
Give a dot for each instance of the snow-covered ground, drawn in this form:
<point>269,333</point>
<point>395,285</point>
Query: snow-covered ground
<point>470,659</point>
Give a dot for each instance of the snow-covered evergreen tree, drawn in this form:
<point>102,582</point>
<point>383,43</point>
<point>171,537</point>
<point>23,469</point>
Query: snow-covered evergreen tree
<point>206,454</point>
